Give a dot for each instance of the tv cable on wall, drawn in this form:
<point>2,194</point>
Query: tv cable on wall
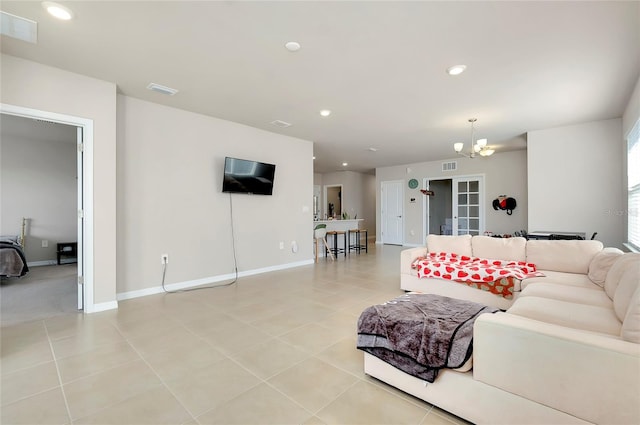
<point>235,262</point>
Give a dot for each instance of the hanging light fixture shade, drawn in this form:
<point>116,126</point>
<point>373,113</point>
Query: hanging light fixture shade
<point>477,147</point>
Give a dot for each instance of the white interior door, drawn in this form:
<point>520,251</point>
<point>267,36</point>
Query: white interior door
<point>392,212</point>
<point>80,221</point>
<point>468,205</point>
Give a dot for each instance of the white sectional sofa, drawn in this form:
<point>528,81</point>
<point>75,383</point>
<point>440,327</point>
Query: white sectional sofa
<point>566,350</point>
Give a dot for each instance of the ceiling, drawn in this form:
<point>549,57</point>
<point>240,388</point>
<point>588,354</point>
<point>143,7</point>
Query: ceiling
<point>378,66</point>
<point>35,129</point>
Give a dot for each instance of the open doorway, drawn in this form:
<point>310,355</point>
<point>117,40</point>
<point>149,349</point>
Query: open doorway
<point>439,207</point>
<point>333,200</point>
<point>42,201</point>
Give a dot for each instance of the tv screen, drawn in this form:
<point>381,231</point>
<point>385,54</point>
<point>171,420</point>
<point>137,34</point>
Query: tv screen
<point>243,176</point>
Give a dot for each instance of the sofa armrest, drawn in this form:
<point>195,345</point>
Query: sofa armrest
<point>408,255</point>
<point>588,375</point>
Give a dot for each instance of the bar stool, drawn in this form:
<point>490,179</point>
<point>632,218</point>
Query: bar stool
<point>335,249</point>
<point>358,246</point>
<point>319,234</point>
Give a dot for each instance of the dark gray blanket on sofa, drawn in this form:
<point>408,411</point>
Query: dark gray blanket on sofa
<point>420,333</point>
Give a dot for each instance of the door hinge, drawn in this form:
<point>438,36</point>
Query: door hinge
<point>80,147</point>
<point>80,213</point>
<point>80,280</point>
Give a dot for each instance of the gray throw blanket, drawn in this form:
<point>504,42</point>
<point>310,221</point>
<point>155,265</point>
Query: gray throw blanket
<point>420,333</point>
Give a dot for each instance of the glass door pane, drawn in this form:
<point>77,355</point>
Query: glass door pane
<point>468,206</point>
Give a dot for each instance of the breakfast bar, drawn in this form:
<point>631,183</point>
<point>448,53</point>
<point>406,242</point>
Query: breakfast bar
<point>339,226</point>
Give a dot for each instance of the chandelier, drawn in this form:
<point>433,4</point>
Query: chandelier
<point>478,147</point>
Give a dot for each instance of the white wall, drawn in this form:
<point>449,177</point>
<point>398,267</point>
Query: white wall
<point>504,173</point>
<point>38,180</point>
<point>632,111</point>
<point>170,167</point>
<point>168,188</point>
<point>358,195</point>
<point>31,85</point>
<point>575,180</point>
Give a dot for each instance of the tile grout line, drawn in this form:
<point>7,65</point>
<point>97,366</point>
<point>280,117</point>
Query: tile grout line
<point>162,382</point>
<point>55,360</point>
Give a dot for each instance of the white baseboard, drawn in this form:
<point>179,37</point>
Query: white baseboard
<point>96,308</point>
<point>49,263</point>
<point>41,263</point>
<point>207,280</point>
<point>413,245</point>
<point>402,244</point>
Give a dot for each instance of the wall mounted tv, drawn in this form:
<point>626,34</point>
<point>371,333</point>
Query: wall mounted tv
<point>244,176</point>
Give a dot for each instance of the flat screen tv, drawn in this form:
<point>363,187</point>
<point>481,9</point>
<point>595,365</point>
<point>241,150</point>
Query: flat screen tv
<point>244,176</point>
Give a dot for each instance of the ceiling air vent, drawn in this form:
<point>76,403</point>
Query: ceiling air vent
<point>18,27</point>
<point>450,166</point>
<point>162,89</point>
<point>281,124</point>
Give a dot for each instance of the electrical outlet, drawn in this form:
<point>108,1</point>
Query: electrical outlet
<point>164,259</point>
<point>45,243</point>
<point>281,245</point>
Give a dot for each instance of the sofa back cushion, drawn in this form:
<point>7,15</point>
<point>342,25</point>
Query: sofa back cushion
<point>512,249</point>
<point>617,270</point>
<point>631,324</point>
<point>460,245</point>
<point>570,256</point>
<point>601,263</point>
<point>629,282</point>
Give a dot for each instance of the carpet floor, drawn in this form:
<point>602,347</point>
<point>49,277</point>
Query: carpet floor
<point>44,292</point>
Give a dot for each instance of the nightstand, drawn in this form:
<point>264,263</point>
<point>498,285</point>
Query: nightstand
<point>67,249</point>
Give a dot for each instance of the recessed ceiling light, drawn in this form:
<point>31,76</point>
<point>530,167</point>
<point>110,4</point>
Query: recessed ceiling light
<point>344,164</point>
<point>57,10</point>
<point>292,46</point>
<point>456,69</point>
<point>325,112</point>
<point>373,149</point>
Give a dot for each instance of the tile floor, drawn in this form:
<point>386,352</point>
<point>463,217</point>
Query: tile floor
<point>276,348</point>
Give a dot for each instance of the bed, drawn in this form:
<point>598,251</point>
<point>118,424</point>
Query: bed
<point>12,260</point>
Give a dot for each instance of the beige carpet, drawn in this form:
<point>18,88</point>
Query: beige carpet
<point>44,292</point>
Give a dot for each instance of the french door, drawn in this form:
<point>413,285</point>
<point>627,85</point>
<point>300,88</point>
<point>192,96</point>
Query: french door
<point>468,205</point>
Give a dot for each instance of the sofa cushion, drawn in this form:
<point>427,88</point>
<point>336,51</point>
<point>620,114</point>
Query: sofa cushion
<point>617,270</point>
<point>601,264</point>
<point>629,282</point>
<point>631,324</point>
<point>574,294</point>
<point>454,244</point>
<point>569,256</point>
<point>568,314</point>
<point>512,249</point>
<point>561,278</point>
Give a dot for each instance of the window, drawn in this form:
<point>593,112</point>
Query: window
<point>633,178</point>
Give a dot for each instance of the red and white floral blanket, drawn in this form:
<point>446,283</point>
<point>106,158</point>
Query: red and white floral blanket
<point>495,276</point>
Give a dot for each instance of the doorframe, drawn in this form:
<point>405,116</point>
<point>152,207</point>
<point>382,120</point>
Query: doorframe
<point>383,215</point>
<point>425,205</point>
<point>325,205</point>
<point>87,187</point>
<point>481,201</point>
